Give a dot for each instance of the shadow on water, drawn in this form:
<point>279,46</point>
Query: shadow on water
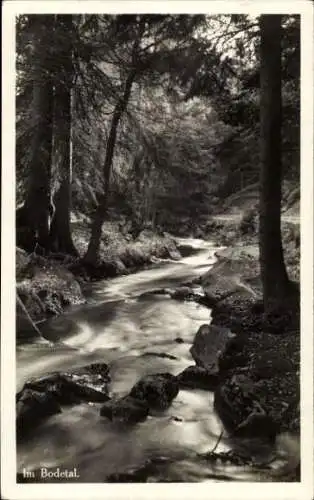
<point>188,250</point>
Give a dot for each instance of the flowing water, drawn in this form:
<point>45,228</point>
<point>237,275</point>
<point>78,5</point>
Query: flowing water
<point>123,324</point>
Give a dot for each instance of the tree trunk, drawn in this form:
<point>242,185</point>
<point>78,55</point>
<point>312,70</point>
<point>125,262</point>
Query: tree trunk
<point>91,256</point>
<point>60,231</point>
<point>37,201</point>
<point>273,271</point>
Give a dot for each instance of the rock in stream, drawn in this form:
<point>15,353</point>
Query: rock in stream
<point>44,396</point>
<point>197,377</point>
<point>153,392</point>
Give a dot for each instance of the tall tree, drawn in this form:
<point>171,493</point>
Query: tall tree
<point>273,271</point>
<point>34,215</point>
<point>60,231</point>
<point>100,214</point>
<point>91,255</point>
<point>145,47</point>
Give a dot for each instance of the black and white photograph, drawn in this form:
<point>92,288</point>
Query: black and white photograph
<point>157,249</point>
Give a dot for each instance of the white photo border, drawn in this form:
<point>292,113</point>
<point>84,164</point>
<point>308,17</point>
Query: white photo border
<point>9,488</point>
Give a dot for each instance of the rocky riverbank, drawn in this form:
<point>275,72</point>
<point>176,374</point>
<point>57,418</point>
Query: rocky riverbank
<point>46,286</point>
<point>258,392</point>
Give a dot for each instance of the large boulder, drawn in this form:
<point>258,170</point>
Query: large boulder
<point>232,274</point>
<point>241,412</point>
<point>44,396</point>
<point>165,248</point>
<point>32,407</point>
<point>152,392</point>
<point>209,343</point>
<point>126,410</point>
<point>46,292</point>
<point>197,377</point>
<point>157,390</point>
<point>271,364</point>
<point>88,383</point>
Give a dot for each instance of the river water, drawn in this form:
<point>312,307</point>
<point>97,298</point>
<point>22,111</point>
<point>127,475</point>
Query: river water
<point>124,325</point>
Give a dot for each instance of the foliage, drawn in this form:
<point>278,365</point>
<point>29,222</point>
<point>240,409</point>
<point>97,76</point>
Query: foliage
<point>236,96</point>
<point>190,132</point>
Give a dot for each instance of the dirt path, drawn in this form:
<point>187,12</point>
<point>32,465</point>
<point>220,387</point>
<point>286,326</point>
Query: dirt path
<point>236,218</point>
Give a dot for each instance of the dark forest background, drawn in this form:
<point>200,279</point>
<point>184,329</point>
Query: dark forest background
<point>155,121</point>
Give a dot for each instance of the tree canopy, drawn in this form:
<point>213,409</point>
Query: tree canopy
<point>154,117</point>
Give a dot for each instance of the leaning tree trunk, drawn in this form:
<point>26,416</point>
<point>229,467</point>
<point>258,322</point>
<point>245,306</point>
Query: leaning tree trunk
<point>273,271</point>
<point>37,203</point>
<point>92,253</point>
<point>60,230</point>
<point>20,304</point>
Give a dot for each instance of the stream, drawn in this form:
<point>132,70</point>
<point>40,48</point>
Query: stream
<point>125,325</point>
